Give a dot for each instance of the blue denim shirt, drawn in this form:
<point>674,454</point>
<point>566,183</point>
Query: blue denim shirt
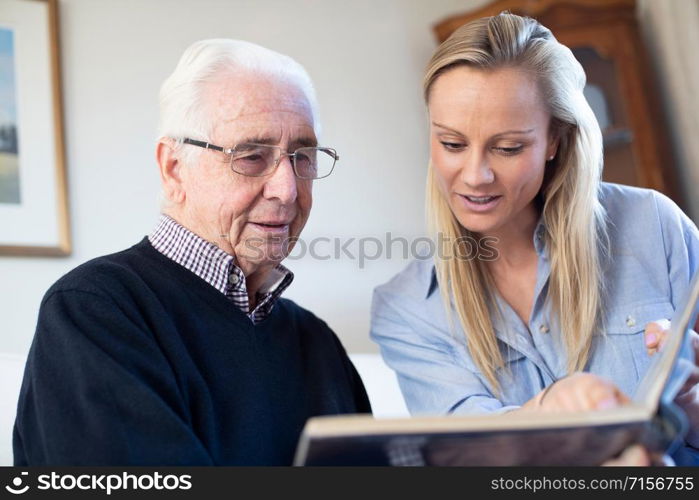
<point>653,254</point>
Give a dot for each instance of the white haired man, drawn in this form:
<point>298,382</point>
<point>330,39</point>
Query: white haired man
<point>179,350</point>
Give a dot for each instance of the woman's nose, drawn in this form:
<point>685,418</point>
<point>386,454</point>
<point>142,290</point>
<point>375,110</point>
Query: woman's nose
<point>476,169</point>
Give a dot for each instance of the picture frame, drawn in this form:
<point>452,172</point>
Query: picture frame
<point>33,189</point>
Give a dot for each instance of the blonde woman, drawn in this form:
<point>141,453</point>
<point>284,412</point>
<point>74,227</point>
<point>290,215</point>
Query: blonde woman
<point>541,301</point>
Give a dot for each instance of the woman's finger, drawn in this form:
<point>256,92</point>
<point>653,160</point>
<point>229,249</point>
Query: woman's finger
<point>581,392</point>
<point>694,340</point>
<point>655,334</point>
<point>604,395</point>
<point>691,382</point>
<point>633,456</point>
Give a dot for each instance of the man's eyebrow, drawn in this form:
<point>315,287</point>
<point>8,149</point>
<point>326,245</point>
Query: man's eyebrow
<point>273,141</point>
<point>506,132</point>
<point>305,142</point>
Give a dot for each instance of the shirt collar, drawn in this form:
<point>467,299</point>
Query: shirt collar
<point>192,252</point>
<point>539,236</point>
<point>208,261</point>
<point>274,279</point>
<point>431,280</point>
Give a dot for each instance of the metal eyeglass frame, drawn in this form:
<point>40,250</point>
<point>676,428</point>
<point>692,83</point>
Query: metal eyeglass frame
<point>282,153</point>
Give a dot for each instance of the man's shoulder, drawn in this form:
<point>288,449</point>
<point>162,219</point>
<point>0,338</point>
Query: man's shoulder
<point>306,326</point>
<point>299,314</point>
<point>101,274</point>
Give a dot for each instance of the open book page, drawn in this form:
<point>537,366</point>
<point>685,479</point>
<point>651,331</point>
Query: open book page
<point>670,368</point>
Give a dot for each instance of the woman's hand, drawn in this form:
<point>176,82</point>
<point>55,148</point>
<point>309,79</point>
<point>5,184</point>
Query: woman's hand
<point>633,456</point>
<point>586,392</point>
<point>688,397</point>
<point>577,392</point>
<point>638,456</point>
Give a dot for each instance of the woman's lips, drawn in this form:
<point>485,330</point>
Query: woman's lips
<point>480,203</point>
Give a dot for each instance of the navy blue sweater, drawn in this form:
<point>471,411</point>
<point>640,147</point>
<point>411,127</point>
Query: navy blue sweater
<point>138,361</point>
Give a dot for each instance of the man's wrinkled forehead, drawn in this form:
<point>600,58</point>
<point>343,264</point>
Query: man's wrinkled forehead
<point>260,110</point>
<point>265,129</point>
<point>249,101</point>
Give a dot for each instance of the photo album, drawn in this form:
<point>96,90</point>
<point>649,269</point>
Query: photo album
<point>520,438</point>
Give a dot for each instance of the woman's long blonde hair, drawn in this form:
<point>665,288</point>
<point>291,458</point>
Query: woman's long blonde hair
<point>575,234</point>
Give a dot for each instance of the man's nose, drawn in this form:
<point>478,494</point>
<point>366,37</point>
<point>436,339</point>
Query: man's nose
<point>281,184</point>
<point>476,170</point>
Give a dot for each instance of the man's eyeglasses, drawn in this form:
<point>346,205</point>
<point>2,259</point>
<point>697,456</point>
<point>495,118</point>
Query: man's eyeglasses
<point>258,160</point>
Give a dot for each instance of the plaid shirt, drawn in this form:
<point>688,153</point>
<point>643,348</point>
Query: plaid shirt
<point>217,267</point>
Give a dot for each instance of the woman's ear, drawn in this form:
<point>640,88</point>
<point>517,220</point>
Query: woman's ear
<point>557,130</point>
<point>170,166</point>
<point>552,149</point>
<point>553,142</point>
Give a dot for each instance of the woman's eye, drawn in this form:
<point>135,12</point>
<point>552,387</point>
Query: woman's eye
<point>509,151</point>
<point>452,146</point>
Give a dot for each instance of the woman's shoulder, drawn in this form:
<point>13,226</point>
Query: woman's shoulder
<point>410,307</point>
<point>641,208</point>
<point>653,252</point>
<point>414,282</point>
<point>619,196</point>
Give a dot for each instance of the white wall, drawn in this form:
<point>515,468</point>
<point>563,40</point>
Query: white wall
<point>366,58</point>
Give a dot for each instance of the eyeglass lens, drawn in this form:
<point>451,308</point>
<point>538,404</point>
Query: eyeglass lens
<point>259,159</point>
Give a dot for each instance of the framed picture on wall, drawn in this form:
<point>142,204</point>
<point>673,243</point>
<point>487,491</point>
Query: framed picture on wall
<point>33,197</point>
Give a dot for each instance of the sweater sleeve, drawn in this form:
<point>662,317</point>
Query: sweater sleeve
<point>97,390</point>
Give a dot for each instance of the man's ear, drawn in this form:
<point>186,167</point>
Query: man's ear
<point>170,169</point>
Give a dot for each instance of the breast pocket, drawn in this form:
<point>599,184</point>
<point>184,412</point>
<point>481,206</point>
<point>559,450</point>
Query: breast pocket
<point>631,319</point>
<point>619,352</point>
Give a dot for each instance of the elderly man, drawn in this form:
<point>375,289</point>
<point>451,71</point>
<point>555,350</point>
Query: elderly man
<point>180,350</point>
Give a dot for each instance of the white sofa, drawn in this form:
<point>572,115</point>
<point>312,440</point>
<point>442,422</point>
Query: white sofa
<point>11,370</point>
<point>379,380</point>
<point>381,386</point>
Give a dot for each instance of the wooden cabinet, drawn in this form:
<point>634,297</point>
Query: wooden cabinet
<point>604,37</point>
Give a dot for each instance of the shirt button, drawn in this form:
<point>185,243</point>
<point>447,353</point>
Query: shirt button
<point>544,329</point>
<point>233,279</point>
<point>630,321</point>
